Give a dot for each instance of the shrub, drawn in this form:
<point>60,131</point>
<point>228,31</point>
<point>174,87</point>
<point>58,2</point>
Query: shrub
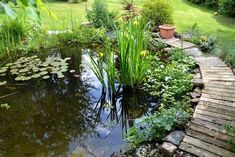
<point>156,126</point>
<point>205,42</point>
<point>212,4</point>
<point>226,7</point>
<point>158,12</point>
<point>100,16</point>
<point>169,81</point>
<point>197,1</point>
<point>83,35</point>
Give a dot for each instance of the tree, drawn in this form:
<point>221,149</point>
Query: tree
<point>30,7</point>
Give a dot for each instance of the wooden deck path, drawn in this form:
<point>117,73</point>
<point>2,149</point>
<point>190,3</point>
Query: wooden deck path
<point>206,136</point>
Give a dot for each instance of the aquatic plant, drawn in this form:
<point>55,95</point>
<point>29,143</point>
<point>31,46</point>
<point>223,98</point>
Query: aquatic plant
<point>98,68</point>
<point>27,68</point>
<point>12,32</point>
<point>132,52</point>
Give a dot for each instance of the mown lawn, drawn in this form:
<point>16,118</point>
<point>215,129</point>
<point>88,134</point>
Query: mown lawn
<point>185,15</point>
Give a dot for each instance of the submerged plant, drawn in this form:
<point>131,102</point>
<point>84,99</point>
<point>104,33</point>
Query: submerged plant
<point>132,52</point>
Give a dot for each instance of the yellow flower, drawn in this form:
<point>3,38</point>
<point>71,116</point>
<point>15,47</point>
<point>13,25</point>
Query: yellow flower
<point>120,20</point>
<point>204,38</point>
<point>101,55</point>
<point>144,53</point>
<point>136,22</point>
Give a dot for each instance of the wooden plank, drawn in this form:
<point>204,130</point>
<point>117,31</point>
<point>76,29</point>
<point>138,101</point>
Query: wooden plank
<point>218,72</point>
<point>213,119</point>
<point>217,89</point>
<point>214,65</point>
<point>217,105</point>
<point>213,114</point>
<point>227,69</point>
<point>221,86</point>
<point>211,132</point>
<point>216,109</point>
<point>220,102</point>
<point>223,83</point>
<point>195,150</point>
<point>210,139</point>
<point>218,75</point>
<point>209,147</point>
<point>219,97</point>
<point>207,58</point>
<point>204,97</point>
<point>218,79</point>
<point>219,93</point>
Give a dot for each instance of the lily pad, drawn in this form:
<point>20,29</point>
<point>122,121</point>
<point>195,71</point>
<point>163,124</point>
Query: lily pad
<point>66,59</point>
<point>60,76</point>
<point>3,83</point>
<point>36,75</point>
<point>46,77</point>
<point>43,73</point>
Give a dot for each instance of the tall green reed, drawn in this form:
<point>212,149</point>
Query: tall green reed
<point>12,34</point>
<point>132,52</point>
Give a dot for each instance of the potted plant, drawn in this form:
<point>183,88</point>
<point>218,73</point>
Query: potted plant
<point>167,31</point>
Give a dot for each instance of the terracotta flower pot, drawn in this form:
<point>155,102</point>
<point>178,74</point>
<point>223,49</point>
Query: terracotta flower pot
<point>167,31</point>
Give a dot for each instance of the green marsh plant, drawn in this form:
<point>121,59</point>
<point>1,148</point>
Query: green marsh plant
<point>13,32</point>
<point>132,42</point>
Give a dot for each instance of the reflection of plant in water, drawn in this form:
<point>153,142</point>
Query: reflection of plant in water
<point>126,107</point>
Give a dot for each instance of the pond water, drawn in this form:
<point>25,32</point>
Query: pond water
<point>65,117</point>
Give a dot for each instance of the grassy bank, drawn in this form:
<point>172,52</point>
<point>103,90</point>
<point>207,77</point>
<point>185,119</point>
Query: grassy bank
<point>186,14</point>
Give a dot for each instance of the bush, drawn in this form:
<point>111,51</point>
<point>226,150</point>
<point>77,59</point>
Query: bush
<point>212,4</point>
<point>205,42</point>
<point>158,12</point>
<point>83,35</point>
<point>197,1</point>
<point>100,16</point>
<point>156,126</point>
<point>227,7</point>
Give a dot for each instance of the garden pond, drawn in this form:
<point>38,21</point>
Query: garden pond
<point>65,113</point>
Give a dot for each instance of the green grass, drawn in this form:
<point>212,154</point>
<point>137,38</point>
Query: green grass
<point>185,15</point>
<point>63,11</point>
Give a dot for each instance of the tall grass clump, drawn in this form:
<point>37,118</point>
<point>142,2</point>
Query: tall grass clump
<point>105,66</point>
<point>12,34</point>
<point>125,65</point>
<point>132,41</point>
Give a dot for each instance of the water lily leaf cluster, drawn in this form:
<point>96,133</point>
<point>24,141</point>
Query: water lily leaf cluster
<point>27,68</point>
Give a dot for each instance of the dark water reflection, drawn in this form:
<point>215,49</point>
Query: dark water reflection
<point>63,117</point>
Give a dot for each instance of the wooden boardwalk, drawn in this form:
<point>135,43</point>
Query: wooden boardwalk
<point>206,136</point>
